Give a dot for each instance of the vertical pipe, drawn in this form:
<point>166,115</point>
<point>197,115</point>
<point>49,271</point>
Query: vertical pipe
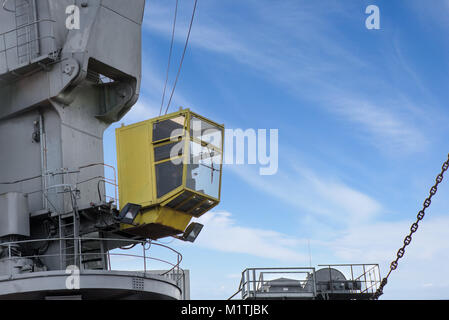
<point>6,51</point>
<point>144,258</point>
<point>43,160</point>
<point>254,283</point>
<point>9,259</point>
<point>184,286</point>
<point>76,239</point>
<point>248,283</point>
<point>79,256</point>
<point>17,33</point>
<point>28,32</point>
<point>364,276</point>
<point>60,241</point>
<point>352,278</point>
<point>103,254</point>
<point>36,28</point>
<point>380,277</point>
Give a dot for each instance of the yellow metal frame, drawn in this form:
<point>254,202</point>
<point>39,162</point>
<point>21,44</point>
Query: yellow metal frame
<point>132,180</point>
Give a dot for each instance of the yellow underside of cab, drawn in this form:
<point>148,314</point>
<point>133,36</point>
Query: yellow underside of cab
<point>164,216</point>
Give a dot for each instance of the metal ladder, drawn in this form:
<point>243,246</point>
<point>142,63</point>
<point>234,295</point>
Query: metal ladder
<point>69,244</point>
<point>85,253</point>
<point>69,234</point>
<point>94,255</point>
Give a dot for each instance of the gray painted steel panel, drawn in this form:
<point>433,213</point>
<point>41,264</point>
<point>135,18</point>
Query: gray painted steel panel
<point>14,215</point>
<point>123,8</point>
<point>74,109</point>
<point>93,285</point>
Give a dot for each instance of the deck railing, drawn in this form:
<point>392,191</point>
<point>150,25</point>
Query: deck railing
<point>14,251</point>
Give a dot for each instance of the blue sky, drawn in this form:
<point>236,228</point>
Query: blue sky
<point>362,121</point>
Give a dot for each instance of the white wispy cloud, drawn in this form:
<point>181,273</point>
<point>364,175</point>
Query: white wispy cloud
<point>311,61</point>
<point>313,194</point>
<point>385,126</point>
<point>356,205</point>
<point>222,233</point>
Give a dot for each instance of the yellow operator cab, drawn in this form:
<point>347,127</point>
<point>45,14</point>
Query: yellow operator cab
<point>170,167</point>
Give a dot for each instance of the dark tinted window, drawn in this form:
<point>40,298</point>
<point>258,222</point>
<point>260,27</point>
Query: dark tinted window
<point>168,177</point>
<point>163,152</point>
<point>165,129</point>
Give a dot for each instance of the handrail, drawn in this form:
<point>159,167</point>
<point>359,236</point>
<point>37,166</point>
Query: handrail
<point>349,265</point>
<point>175,266</point>
<point>112,182</point>
<point>29,55</point>
<point>252,280</point>
<point>52,173</point>
<point>26,25</point>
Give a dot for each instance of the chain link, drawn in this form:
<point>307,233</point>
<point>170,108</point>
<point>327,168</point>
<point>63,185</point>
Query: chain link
<point>413,228</point>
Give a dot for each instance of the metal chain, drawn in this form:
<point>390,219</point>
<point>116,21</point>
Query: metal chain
<point>413,229</point>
